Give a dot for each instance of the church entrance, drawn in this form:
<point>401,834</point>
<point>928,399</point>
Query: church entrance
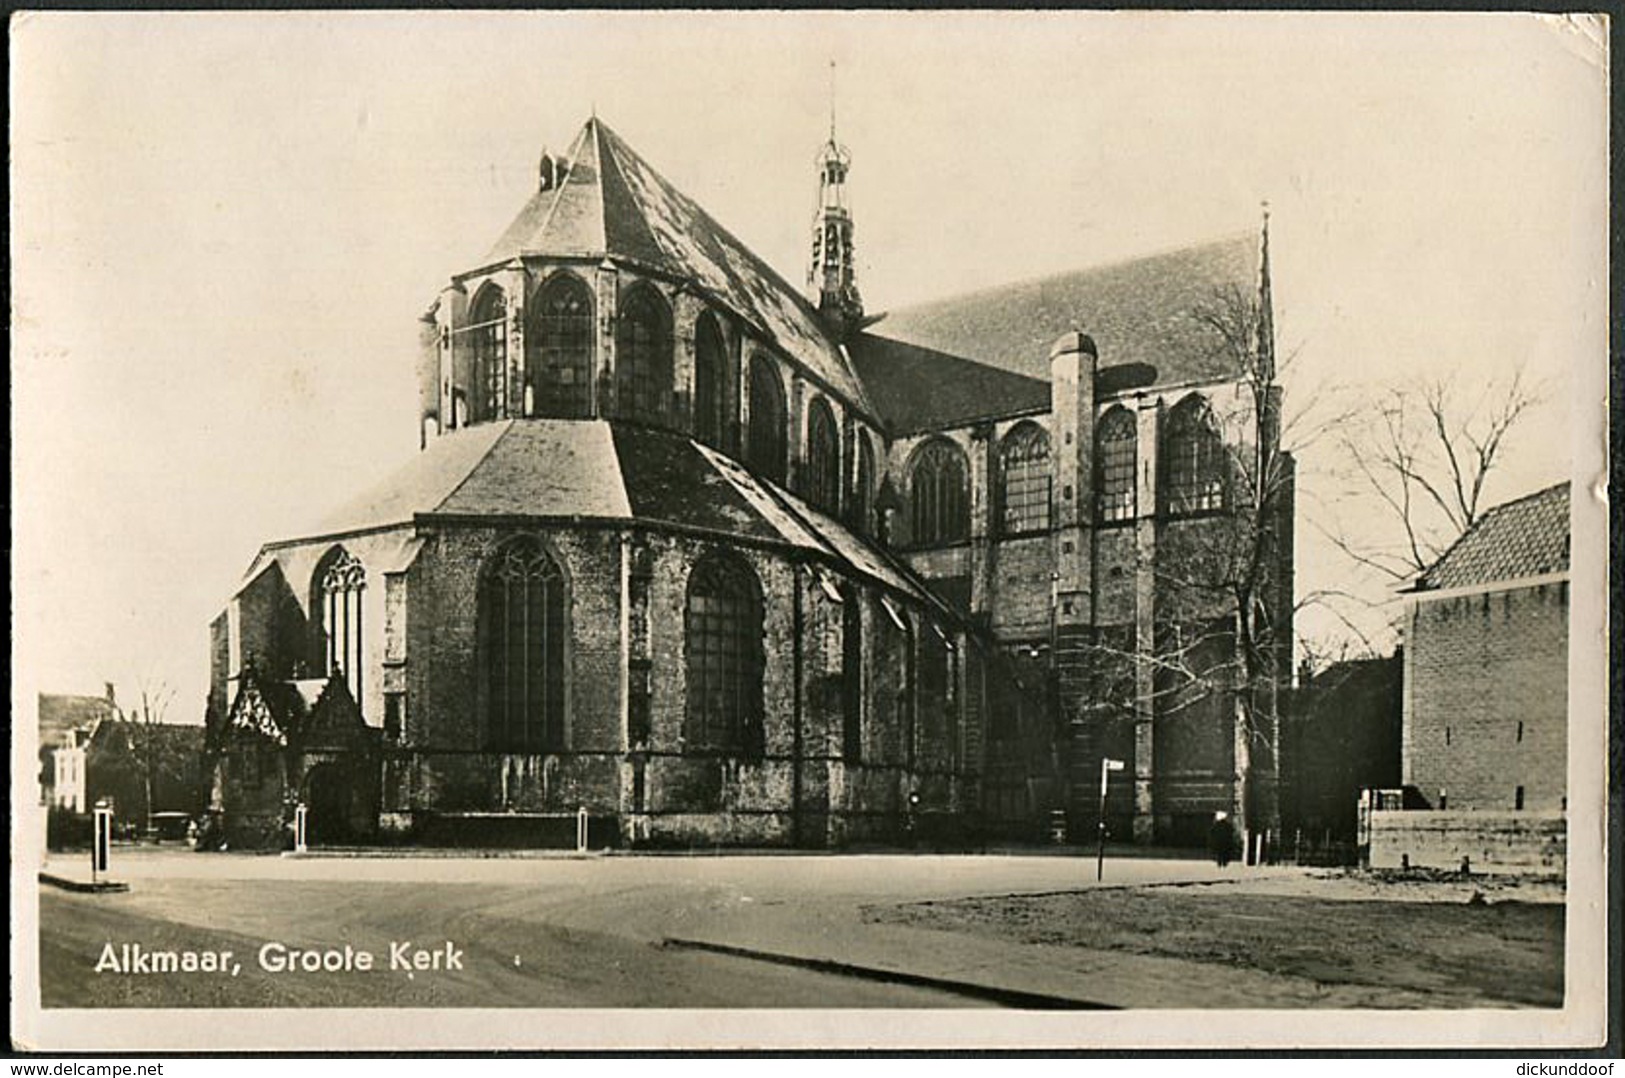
<point>327,795</point>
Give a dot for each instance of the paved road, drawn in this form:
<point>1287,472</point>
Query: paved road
<point>539,932</point>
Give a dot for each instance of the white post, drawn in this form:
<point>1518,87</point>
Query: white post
<point>581,830</point>
<point>300,821</point>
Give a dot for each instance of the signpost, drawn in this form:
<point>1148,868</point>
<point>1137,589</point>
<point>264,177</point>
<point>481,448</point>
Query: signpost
<point>101,846</point>
<point>1107,766</point>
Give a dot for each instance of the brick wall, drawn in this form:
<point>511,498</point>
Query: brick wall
<point>1486,698</point>
<point>1501,842</point>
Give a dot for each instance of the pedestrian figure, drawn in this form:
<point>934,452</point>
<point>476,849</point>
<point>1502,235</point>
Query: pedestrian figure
<point>1221,839</point>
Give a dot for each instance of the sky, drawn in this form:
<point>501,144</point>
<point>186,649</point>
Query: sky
<point>225,227</point>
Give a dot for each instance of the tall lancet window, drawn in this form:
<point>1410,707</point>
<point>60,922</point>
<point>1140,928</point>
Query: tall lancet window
<point>521,645</point>
<point>488,343</point>
<point>863,484</point>
<point>1118,441</point>
<point>1024,472</point>
<point>1194,458</point>
<point>823,485</point>
<point>558,363</point>
<point>643,357</point>
<point>340,580</point>
<point>710,382</point>
<point>723,640</point>
<point>939,495</point>
<point>766,447</point>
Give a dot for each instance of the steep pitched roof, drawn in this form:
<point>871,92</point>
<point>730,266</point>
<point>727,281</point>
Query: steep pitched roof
<point>612,203</point>
<point>1523,538</point>
<point>920,389</point>
<point>579,470</point>
<point>60,715</point>
<point>1138,311</point>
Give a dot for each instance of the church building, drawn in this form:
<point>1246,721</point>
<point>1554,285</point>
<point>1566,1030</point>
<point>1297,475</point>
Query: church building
<point>716,560</point>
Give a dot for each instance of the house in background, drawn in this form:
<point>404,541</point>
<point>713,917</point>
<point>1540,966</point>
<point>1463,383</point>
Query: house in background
<point>66,726</point>
<point>1486,696</point>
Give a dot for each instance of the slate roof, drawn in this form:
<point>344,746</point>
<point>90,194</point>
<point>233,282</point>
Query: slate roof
<point>60,714</point>
<point>1524,538</point>
<point>595,470</point>
<point>919,389</point>
<point>1137,311</point>
<point>613,203</point>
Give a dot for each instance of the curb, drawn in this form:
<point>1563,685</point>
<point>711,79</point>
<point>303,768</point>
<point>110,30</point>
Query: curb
<point>100,887</point>
<point>1005,997</point>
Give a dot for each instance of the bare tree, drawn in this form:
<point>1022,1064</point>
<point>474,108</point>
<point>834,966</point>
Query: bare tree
<point>1422,454</point>
<point>145,728</point>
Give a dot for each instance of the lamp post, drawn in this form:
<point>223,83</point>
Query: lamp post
<point>1107,766</point>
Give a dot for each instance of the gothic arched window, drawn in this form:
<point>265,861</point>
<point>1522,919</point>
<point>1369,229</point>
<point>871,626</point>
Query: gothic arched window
<point>643,357</point>
<point>710,383</point>
<point>940,498</point>
<point>722,635</point>
<point>488,344</point>
<point>766,444</point>
<point>1194,458</point>
<point>1024,493</point>
<point>558,375</point>
<point>521,643</point>
<point>863,484</point>
<point>823,485</point>
<point>1117,455</point>
<point>340,580</point>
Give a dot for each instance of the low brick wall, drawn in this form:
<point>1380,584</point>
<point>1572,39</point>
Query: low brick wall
<point>1497,842</point>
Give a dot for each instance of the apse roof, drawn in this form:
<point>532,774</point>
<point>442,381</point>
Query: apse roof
<point>611,202</point>
<point>1520,539</point>
<point>597,470</point>
<point>1142,310</point>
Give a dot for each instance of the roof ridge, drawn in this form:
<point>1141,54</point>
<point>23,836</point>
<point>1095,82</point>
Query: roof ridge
<point>1531,496</point>
<point>1093,267</point>
<point>561,182</point>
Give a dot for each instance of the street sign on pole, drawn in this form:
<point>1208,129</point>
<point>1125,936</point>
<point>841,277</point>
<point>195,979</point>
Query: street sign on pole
<point>1107,766</point>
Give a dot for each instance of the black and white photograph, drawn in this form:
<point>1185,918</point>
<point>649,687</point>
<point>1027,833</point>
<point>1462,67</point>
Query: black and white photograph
<point>776,530</point>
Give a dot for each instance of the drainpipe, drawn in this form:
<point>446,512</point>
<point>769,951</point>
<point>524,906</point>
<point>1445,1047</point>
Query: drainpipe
<point>796,631</point>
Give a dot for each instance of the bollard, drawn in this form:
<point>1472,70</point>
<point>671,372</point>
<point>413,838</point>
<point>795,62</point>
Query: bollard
<point>581,829</point>
<point>301,816</point>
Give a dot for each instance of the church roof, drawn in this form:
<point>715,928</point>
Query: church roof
<point>597,470</point>
<point>611,202</point>
<point>1137,311</point>
<point>1524,538</point>
<point>919,389</point>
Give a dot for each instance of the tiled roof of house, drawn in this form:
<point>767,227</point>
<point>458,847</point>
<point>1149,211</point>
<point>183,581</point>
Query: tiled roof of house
<point>574,470</point>
<point>919,389</point>
<point>1144,311</point>
<point>610,202</point>
<point>59,715</point>
<point>1524,538</point>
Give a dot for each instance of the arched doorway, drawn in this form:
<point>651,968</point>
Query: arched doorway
<point>327,800</point>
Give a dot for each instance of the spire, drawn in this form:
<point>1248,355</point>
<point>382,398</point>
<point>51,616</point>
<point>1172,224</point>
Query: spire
<point>1266,306</point>
<point>831,278</point>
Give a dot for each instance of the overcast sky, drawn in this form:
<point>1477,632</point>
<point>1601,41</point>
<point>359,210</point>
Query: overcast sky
<point>226,225</point>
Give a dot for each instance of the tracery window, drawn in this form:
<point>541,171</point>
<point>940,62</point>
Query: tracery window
<point>863,484</point>
<point>1118,450</point>
<point>823,484</point>
<point>710,395</point>
<point>1025,480</point>
<point>722,625</point>
<point>643,357</point>
<point>558,377</point>
<point>521,641</point>
<point>1194,456</point>
<point>342,579</point>
<point>939,495</point>
<point>766,443</point>
<point>488,344</point>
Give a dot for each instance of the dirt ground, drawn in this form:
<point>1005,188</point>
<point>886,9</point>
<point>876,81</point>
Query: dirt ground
<point>1497,940</point>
